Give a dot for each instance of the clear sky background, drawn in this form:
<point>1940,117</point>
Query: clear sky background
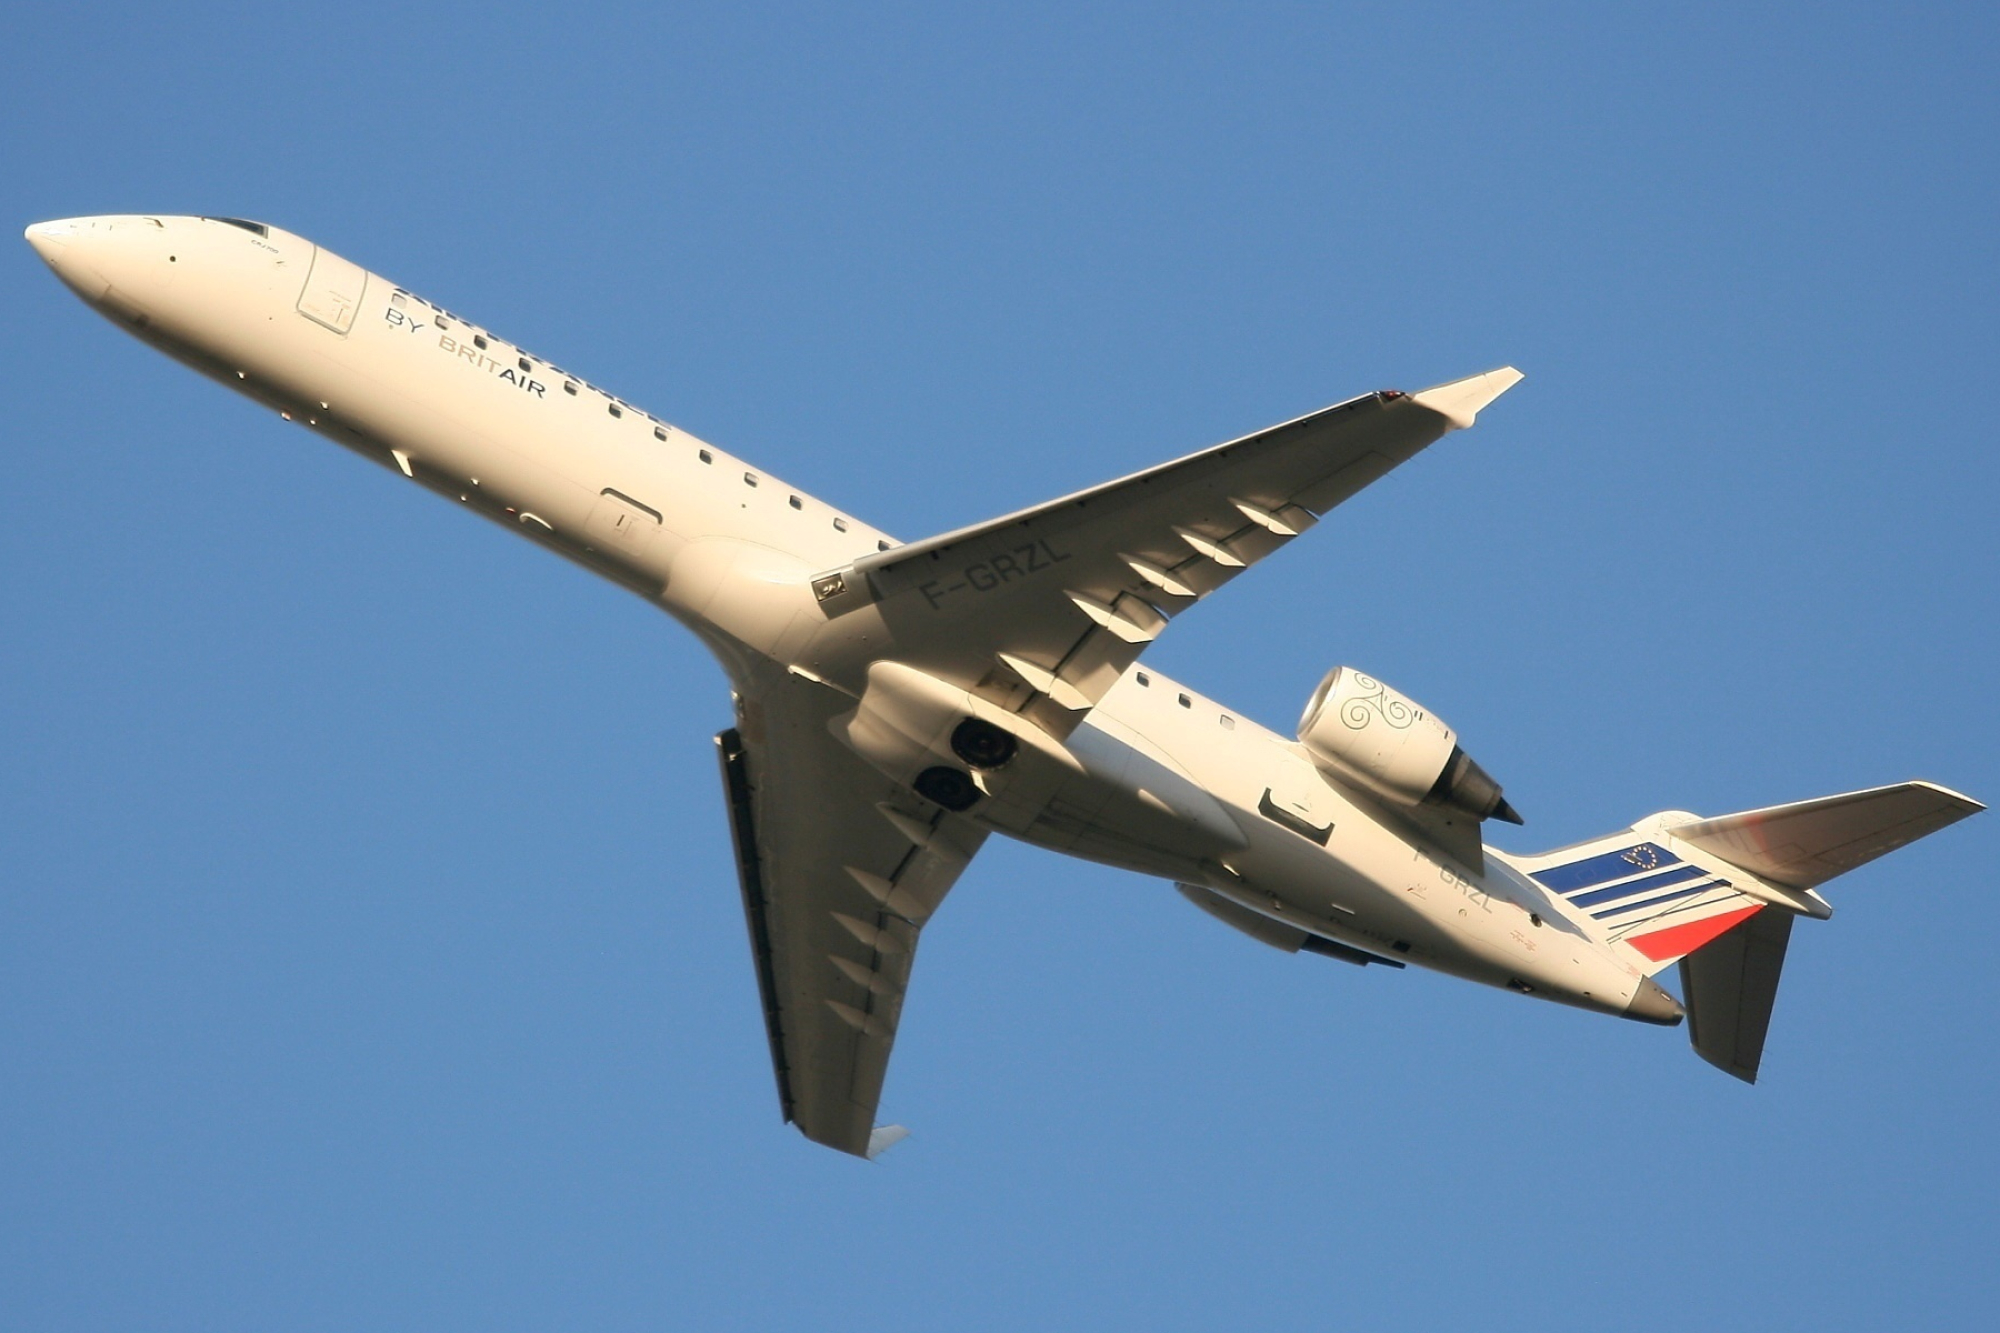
<point>370,948</point>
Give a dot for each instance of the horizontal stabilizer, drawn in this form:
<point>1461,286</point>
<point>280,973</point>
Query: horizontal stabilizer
<point>1807,843</point>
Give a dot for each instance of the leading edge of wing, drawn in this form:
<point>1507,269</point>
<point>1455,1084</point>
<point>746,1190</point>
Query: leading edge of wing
<point>1458,401</point>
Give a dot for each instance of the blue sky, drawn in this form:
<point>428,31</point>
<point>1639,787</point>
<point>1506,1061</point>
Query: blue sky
<point>370,952</point>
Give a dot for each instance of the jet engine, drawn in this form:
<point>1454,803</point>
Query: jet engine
<point>1359,729</point>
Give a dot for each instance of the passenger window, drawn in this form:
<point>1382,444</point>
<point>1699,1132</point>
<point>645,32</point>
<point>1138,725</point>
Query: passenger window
<point>881,546</point>
<point>707,457</point>
<point>840,525</point>
<point>796,503</point>
<point>524,364</point>
<point>1143,678</point>
<point>479,341</point>
<point>614,410</point>
<point>570,388</point>
<point>659,432</point>
<point>1228,722</point>
<point>1186,702</point>
<point>749,479</point>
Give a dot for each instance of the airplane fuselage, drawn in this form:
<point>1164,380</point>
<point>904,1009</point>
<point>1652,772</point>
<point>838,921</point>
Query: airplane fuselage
<point>1156,778</point>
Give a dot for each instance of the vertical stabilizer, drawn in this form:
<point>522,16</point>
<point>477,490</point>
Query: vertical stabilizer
<point>1653,900</point>
<point>1729,986</point>
<point>1718,896</point>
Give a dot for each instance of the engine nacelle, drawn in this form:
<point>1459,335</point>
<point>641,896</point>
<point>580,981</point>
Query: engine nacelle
<point>1359,729</point>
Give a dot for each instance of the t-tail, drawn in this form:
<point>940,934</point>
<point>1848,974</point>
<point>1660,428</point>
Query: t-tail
<point>1718,896</point>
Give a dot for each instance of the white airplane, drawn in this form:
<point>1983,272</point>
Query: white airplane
<point>896,703</point>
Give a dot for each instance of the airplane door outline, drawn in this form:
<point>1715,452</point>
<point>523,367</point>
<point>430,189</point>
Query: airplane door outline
<point>333,291</point>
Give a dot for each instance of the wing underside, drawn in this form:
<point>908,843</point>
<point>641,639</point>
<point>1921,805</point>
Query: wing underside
<point>840,870</point>
<point>1043,610</point>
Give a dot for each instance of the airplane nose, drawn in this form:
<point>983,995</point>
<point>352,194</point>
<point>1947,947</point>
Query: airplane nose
<point>50,239</point>
<point>62,246</point>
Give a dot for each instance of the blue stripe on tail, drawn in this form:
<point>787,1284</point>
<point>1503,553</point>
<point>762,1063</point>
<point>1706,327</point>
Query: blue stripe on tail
<point>1636,886</point>
<point>1603,869</point>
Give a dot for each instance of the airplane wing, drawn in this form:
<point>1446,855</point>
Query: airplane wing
<point>840,870</point>
<point>1042,610</point>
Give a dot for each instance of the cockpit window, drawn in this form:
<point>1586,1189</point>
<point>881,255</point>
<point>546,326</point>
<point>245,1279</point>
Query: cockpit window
<point>256,227</point>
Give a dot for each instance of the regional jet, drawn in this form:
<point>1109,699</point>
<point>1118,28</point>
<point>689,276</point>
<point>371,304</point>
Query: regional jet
<point>897,702</point>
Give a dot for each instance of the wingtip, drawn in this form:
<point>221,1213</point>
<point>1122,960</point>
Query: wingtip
<point>1967,804</point>
<point>884,1138</point>
<point>1461,401</point>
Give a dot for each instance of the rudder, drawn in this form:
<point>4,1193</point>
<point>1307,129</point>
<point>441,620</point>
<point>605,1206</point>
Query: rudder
<point>1728,987</point>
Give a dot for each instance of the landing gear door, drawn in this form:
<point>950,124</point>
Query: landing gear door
<point>333,291</point>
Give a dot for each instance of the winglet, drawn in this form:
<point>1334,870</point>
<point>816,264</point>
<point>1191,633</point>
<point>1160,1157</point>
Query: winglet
<point>1459,401</point>
<point>884,1138</point>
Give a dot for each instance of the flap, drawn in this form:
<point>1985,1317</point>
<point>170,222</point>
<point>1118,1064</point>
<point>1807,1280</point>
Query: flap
<point>1729,986</point>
